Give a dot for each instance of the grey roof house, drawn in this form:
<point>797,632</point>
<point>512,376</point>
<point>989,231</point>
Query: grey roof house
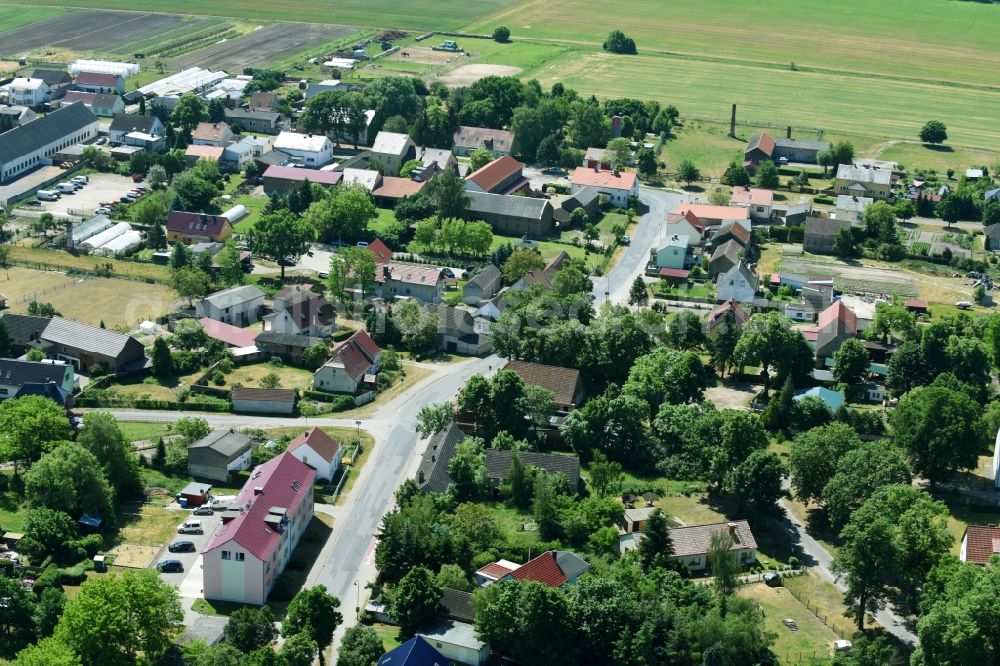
<point>24,329</point>
<point>820,234</point>
<point>51,379</point>
<point>432,474</point>
<point>483,286</point>
<point>239,306</point>
<point>498,463</point>
<point>218,453</point>
<point>511,215</point>
<point>85,346</point>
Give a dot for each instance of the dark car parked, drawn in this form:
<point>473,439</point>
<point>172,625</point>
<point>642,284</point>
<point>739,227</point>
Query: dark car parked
<point>182,547</point>
<point>772,579</point>
<point>170,566</point>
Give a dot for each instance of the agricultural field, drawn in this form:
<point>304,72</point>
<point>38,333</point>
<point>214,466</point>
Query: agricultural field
<point>120,304</point>
<point>261,47</point>
<point>85,30</point>
<point>447,15</point>
<point>13,17</point>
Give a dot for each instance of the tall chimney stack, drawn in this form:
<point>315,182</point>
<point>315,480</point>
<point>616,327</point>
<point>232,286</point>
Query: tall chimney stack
<point>732,123</point>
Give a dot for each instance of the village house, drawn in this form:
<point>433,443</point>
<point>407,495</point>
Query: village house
<point>724,257</point>
<point>763,147</point>
<point>58,80</point>
<point>692,544</point>
<point>31,93</point>
<point>288,347</point>
<point>689,225</point>
<point>353,363</point>
<point>236,156</point>
<point>455,641</point>
<point>991,235</point>
<point>758,201</point>
<point>122,126</point>
<point>380,251</point>
<point>597,158</point>
<point>194,153</point>
<point>229,335</point>
<point>300,311</point>
<point>739,283</point>
<point>390,151</point>
<point>432,474</point>
<point>565,383</point>
<point>864,181</point>
<point>980,543</point>
<point>498,464</point>
<point>25,331</point>
<point>98,82</point>
<point>837,324</point>
<point>239,306</point>
<point>369,179</point>
<point>54,379</point>
<point>265,122</point>
<point>511,215</point>
<point>441,158</point>
<point>588,199</point>
<point>393,189</point>
<point>18,115</point>
<point>29,146</point>
<point>459,333</point>
<point>219,453</point>
<point>189,228</point>
<point>414,652</point>
<point>282,179</point>
<point>101,104</point>
<point>553,568</point>
<point>212,134</point>
<point>483,285</point>
<point>85,346</point>
<point>501,176</point>
<point>732,231</point>
<point>469,139</point>
<point>318,450</point>
<point>711,215</point>
<point>311,150</point>
<point>404,280</point>
<point>821,233</point>
<point>252,546</point>
<point>718,317</point>
<point>671,252</point>
<point>851,208</point>
<point>619,186</point>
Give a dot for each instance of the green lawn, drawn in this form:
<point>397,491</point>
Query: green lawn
<point>255,207</point>
<point>921,156</point>
<point>13,17</point>
<point>250,376</point>
<point>813,640</point>
<point>136,430</point>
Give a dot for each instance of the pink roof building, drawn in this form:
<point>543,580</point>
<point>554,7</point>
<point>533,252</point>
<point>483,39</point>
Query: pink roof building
<point>259,532</point>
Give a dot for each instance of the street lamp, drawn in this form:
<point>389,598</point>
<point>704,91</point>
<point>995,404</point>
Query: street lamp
<point>357,607</point>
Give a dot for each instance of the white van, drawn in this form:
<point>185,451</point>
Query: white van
<point>66,188</point>
<point>80,179</point>
<point>47,195</point>
<point>190,526</point>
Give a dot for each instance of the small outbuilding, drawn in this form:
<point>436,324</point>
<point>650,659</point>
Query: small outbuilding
<point>263,401</point>
<point>195,493</point>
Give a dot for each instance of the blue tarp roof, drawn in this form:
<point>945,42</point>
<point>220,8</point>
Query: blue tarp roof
<point>90,521</point>
<point>414,652</point>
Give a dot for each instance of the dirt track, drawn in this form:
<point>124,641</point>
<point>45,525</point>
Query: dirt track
<point>262,47</point>
<point>91,30</point>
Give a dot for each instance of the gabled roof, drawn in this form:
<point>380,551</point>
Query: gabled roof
<point>456,605</point>
<point>981,543</point>
<point>492,174</point>
<point>391,143</point>
<point>818,226</point>
<point>397,188</point>
<point>713,212</point>
<point>98,79</point>
<point>529,208</point>
<point>23,328</point>
<point>196,224</point>
<point>718,315</point>
<point>380,250</point>
<point>263,101</point>
<point>483,137</point>
<point>801,144</point>
<point>227,333</point>
<point>734,230</point>
<point>356,355</point>
<point>743,269</point>
<point>210,131</point>
<point>730,249</point>
<point>498,464</point>
<point>318,441</point>
<point>134,123</point>
<point>839,313</point>
<point>308,143</point>
<point>208,152</point>
<point>497,570</point>
<point>284,480</point>
<point>414,652</point>
<point>298,175</point>
<point>486,276</point>
<point>286,340</point>
<point>992,231</point>
<point>594,154</point>
<point>864,174</point>
<point>609,180</point>
<point>762,142</point>
<point>562,382</point>
<point>553,568</point>
<point>696,540</point>
<point>267,395</point>
<point>85,337</point>
<point>52,77</point>
<point>225,442</point>
<point>992,194</point>
<point>18,373</point>
<point>44,130</point>
<point>234,296</point>
<point>407,273</point>
<point>752,196</point>
<point>433,467</point>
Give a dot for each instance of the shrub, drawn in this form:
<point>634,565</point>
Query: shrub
<point>501,33</point>
<point>226,366</point>
<point>218,378</point>
<point>276,362</point>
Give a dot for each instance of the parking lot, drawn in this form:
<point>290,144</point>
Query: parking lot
<point>102,187</point>
<point>188,582</point>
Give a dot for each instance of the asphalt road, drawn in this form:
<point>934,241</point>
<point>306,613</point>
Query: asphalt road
<point>615,285</point>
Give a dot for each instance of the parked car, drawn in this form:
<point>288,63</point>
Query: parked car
<point>101,140</point>
<point>170,566</point>
<point>103,210</point>
<point>190,527</point>
<point>790,623</point>
<point>182,547</point>
<point>203,510</point>
<point>771,579</point>
<point>626,240</point>
<point>126,198</point>
<point>34,202</point>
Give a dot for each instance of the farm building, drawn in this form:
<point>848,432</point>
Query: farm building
<point>105,105</point>
<point>85,346</point>
<point>239,306</point>
<point>501,176</point>
<point>102,83</point>
<point>195,493</point>
<point>432,474</point>
<point>218,453</point>
<point>710,215</point>
<point>263,401</point>
<point>483,285</point>
<point>511,215</point>
<point>565,383</point>
<point>469,139</point>
<point>29,146</point>
<point>265,122</point>
<point>820,234</point>
<point>498,464</point>
<point>287,346</point>
<point>281,179</point>
<point>864,181</point>
<point>763,147</point>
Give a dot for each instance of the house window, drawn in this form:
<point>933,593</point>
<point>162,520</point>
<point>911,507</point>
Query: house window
<point>226,555</point>
<point>240,557</point>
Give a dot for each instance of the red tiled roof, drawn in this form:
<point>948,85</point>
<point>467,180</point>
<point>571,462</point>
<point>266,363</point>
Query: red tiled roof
<point>356,354</point>
<point>397,188</point>
<point>916,303</point>
<point>318,441</point>
<point>712,212</point>
<point>284,480</point>
<point>737,231</point>
<point>981,543</point>
<point>762,141</point>
<point>79,96</point>
<point>272,395</point>
<point>810,334</point>
<point>694,221</point>
<point>380,250</point>
<point>210,131</point>
<point>494,173</point>
<point>752,196</point>
<point>231,335</point>
<point>561,381</point>
<point>717,316</point>
<point>298,175</point>
<point>624,180</point>
<point>210,152</point>
<point>495,570</point>
<point>197,224</point>
<point>409,273</point>
<point>839,311</point>
<point>543,569</point>
<point>97,79</point>
<point>674,272</point>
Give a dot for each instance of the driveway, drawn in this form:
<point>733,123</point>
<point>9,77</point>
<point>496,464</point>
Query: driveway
<point>101,188</point>
<point>188,582</point>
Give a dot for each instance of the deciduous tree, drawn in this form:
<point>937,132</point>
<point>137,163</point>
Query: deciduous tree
<point>251,628</point>
<point>281,236</point>
<point>939,429</point>
<point>414,599</point>
<point>315,613</point>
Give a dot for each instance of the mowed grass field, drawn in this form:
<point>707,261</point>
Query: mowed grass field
<point>843,103</point>
<point>413,14</point>
<point>15,17</point>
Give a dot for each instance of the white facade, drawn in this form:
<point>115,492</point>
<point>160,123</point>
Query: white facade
<point>312,150</point>
<point>996,462</point>
<point>325,469</point>
<point>56,139</point>
<point>735,284</point>
<point>29,92</point>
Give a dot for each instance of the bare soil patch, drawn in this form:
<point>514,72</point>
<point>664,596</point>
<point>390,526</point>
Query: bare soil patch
<point>133,556</point>
<point>466,75</point>
<point>262,47</point>
<point>85,31</point>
